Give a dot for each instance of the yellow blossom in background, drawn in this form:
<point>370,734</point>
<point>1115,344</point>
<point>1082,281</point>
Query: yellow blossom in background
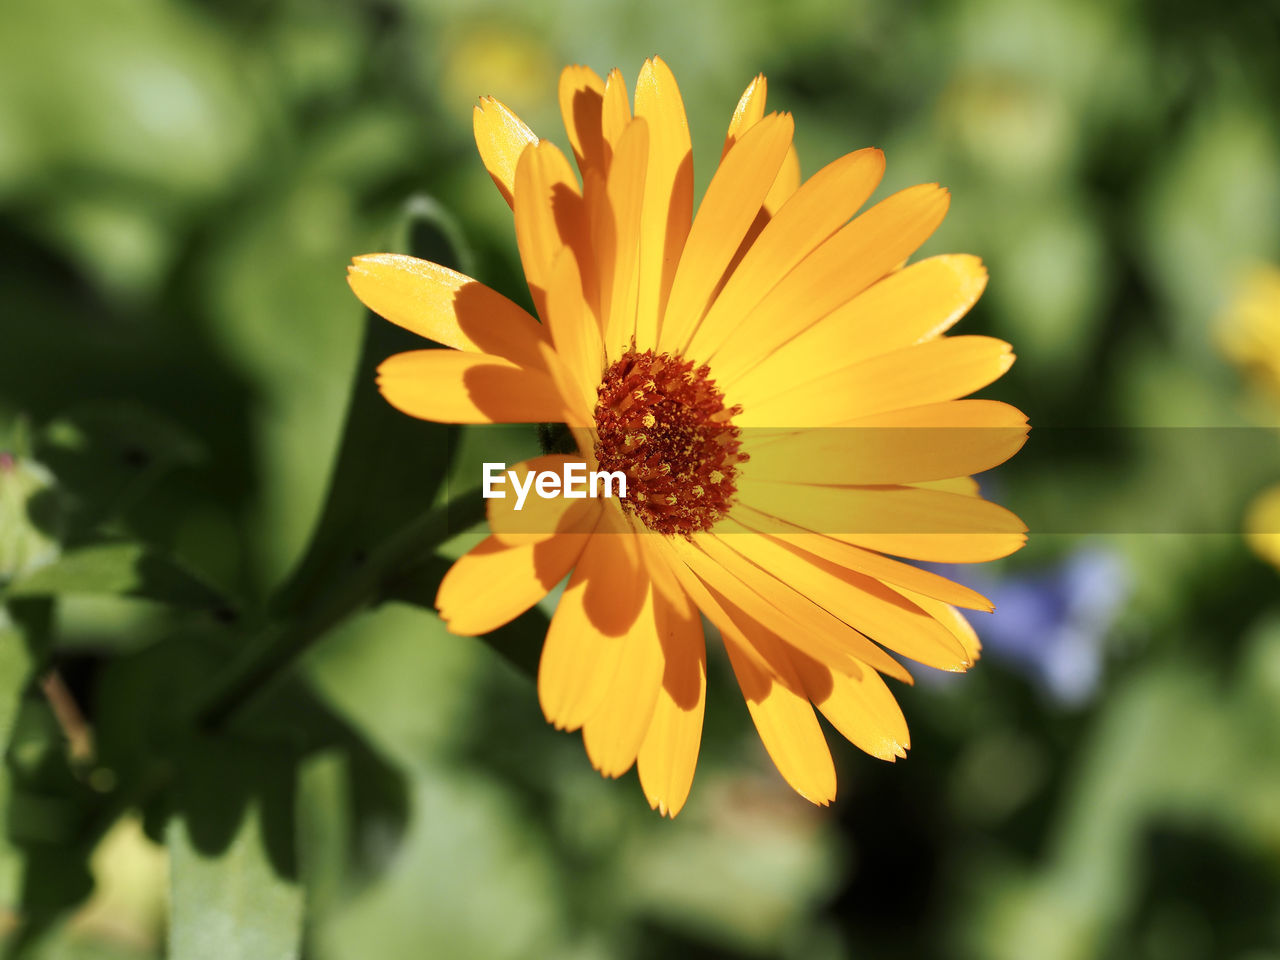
<point>476,53</point>
<point>1262,526</point>
<point>131,877</point>
<point>1250,335</point>
<point>705,357</point>
<point>1250,329</point>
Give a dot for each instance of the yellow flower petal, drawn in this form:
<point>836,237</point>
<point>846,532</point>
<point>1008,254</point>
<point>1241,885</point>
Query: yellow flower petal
<point>786,611</point>
<point>540,518</point>
<point>619,273</point>
<point>915,304</point>
<point>613,733</point>
<point>577,337</point>
<point>704,597</point>
<point>933,442</point>
<point>669,753</point>
<point>445,306</point>
<point>501,137</point>
<point>495,583</point>
<point>854,513</point>
<point>862,602</point>
<point>858,702</point>
<point>785,183</point>
<point>927,373</point>
<point>859,705</point>
<point>940,547</point>
<point>727,211</point>
<point>586,640</point>
<point>819,208</point>
<point>616,113</point>
<point>748,112</point>
<point>966,486</point>
<point>872,245</point>
<point>867,562</point>
<point>775,698</point>
<point>949,617</point>
<point>668,195</point>
<point>573,412</point>
<point>582,107</point>
<point>550,217</point>
<point>450,386</point>
<point>787,727</point>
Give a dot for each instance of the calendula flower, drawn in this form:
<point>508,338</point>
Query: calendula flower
<point>1249,333</point>
<point>705,358</point>
<point>1262,526</point>
<point>1250,329</point>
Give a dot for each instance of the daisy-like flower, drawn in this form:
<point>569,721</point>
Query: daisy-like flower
<point>1250,329</point>
<point>1250,335</point>
<point>1262,526</point>
<point>705,357</point>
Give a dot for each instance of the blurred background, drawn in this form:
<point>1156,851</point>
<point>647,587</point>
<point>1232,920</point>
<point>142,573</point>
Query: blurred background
<point>181,187</point>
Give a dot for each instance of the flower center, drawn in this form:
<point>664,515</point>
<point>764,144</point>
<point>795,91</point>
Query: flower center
<point>664,424</point>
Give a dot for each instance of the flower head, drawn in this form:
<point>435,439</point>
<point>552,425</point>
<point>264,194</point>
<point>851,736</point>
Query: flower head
<point>1250,335</point>
<point>775,386</point>
<point>1250,329</point>
<point>1262,526</point>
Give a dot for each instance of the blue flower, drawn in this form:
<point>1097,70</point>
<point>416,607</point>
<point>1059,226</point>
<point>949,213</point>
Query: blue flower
<point>1051,625</point>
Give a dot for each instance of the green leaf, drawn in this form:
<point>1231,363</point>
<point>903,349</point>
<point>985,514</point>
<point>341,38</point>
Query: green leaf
<point>121,569</point>
<point>390,466</point>
<point>233,905</point>
<point>233,867</point>
<point>473,882</point>
<point>348,789</point>
<point>143,711</point>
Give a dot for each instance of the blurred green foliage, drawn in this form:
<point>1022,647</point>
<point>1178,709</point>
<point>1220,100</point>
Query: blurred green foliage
<point>181,186</point>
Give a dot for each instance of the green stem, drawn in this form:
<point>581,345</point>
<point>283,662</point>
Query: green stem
<point>273,651</point>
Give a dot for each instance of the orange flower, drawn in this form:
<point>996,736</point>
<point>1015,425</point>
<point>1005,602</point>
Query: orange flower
<point>705,358</point>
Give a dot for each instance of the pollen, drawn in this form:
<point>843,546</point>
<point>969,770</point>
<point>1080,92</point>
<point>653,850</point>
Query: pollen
<point>681,478</point>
